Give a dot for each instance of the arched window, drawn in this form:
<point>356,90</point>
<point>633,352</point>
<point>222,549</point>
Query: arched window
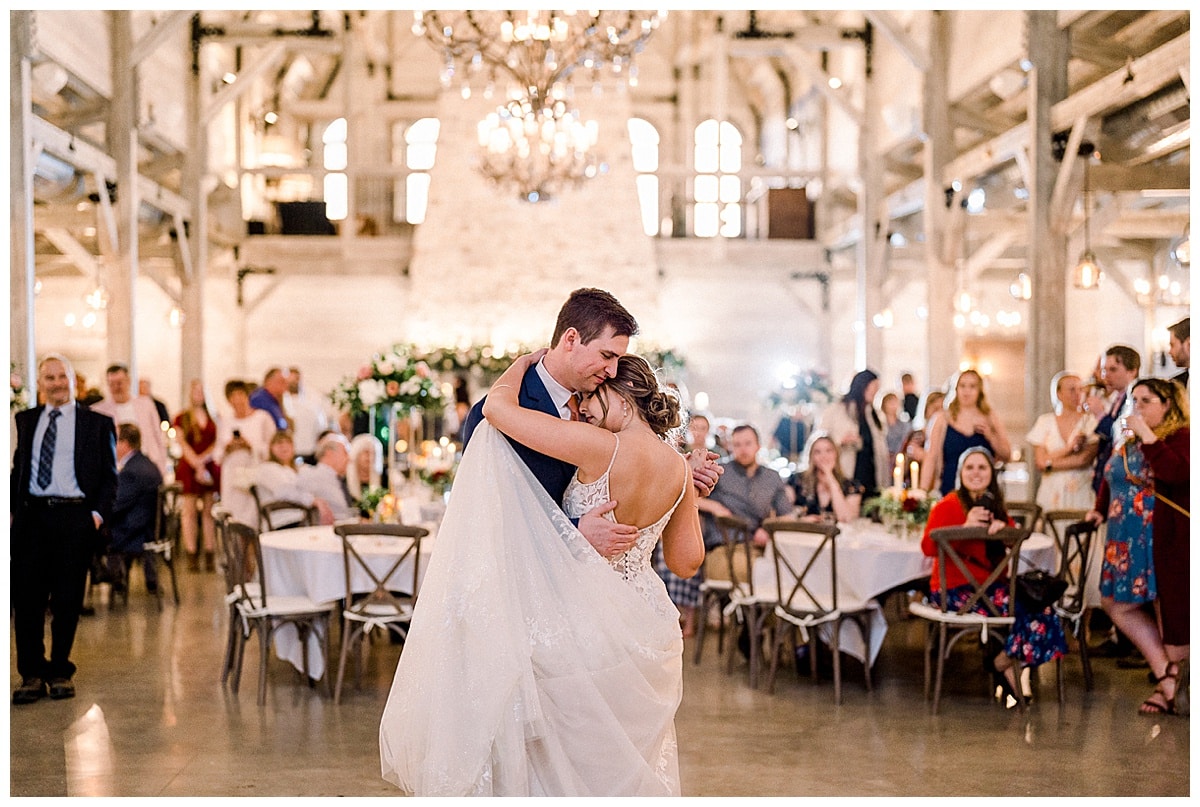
<point>420,149</point>
<point>643,138</point>
<point>717,189</point>
<point>333,159</point>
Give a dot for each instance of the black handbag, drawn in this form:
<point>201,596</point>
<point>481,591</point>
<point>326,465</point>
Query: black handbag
<point>1037,589</point>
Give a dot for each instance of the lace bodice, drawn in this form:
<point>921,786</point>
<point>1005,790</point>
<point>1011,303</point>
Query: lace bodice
<point>635,565</point>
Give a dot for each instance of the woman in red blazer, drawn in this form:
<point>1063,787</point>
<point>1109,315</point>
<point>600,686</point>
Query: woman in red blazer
<point>976,501</point>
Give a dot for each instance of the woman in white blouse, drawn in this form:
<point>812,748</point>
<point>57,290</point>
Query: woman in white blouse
<point>1064,448</point>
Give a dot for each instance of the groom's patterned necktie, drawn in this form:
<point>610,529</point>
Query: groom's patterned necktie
<point>573,405</point>
<point>46,455</point>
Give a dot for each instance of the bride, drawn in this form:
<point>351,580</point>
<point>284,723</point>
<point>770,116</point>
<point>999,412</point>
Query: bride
<point>534,666</point>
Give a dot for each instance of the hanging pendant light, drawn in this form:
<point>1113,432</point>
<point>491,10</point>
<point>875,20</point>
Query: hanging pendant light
<point>1087,272</point>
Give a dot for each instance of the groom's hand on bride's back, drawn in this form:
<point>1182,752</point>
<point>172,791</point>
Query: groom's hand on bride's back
<point>705,471</point>
<point>607,537</point>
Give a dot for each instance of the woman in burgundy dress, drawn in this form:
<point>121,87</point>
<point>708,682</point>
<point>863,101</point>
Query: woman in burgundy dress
<point>197,472</point>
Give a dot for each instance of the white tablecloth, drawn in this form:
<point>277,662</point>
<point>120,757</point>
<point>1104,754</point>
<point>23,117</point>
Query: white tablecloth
<point>308,561</point>
<point>870,561</point>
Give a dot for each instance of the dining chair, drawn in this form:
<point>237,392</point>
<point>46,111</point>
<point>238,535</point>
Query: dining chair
<point>945,627</point>
<point>282,514</point>
<point>254,609</point>
<point>392,597</point>
<point>167,527</point>
<point>1026,514</point>
<point>807,598</point>
<point>1075,546</point>
<point>733,560</point>
<point>715,587</point>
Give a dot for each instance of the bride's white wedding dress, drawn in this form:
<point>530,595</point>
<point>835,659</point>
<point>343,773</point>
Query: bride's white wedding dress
<point>534,666</point>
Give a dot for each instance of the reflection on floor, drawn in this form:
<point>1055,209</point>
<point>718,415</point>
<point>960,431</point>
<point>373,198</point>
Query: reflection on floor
<point>152,719</point>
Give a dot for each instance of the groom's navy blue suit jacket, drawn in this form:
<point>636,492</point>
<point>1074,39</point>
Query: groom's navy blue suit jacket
<point>554,474</point>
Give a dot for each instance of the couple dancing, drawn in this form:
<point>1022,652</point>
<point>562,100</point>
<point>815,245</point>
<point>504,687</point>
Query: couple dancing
<point>545,657</point>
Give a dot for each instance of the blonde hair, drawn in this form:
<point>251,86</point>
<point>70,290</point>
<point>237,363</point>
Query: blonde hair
<point>952,403</point>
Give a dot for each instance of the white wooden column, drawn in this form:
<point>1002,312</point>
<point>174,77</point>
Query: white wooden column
<point>943,339</point>
<point>121,272</point>
<point>869,254</point>
<point>20,216</point>
<point>1045,346</point>
<point>195,166</point>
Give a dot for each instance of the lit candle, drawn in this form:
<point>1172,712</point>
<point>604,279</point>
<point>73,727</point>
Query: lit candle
<point>915,470</point>
<point>898,472</point>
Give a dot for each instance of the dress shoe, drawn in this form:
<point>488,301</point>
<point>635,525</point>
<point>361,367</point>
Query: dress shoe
<point>61,688</point>
<point>30,690</point>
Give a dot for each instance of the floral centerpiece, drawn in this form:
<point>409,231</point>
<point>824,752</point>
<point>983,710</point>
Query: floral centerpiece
<point>901,509</point>
<point>435,465</point>
<point>370,501</point>
<point>16,400</point>
<point>393,378</point>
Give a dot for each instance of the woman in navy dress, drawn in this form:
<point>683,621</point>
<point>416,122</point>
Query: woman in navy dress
<point>968,422</point>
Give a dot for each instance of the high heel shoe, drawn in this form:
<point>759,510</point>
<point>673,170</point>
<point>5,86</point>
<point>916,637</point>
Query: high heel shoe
<point>1007,690</point>
<point>1167,705</point>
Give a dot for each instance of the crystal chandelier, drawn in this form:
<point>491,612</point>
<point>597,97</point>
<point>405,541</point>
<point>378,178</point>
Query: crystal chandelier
<point>535,50</point>
<point>537,151</point>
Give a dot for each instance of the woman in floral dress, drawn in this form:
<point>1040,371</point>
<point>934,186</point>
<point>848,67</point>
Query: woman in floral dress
<point>1127,578</point>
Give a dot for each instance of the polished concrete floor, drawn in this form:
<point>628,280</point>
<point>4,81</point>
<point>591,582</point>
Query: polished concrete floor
<point>152,719</point>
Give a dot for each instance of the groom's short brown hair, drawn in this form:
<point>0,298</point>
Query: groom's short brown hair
<point>590,311</point>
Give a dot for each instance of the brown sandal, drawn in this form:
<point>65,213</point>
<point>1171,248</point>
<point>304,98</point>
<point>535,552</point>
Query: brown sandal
<point>1167,705</point>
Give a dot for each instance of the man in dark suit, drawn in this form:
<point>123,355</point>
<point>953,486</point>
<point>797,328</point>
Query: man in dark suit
<point>63,483</point>
<point>135,510</point>
<point>1120,369</point>
<point>591,333</point>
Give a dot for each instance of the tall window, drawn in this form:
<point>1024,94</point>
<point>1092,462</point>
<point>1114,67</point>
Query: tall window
<point>717,189</point>
<point>643,137</point>
<point>419,148</point>
<point>334,160</point>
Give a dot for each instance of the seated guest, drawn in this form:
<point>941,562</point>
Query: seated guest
<point>278,480</point>
<point>326,481</point>
<point>699,435</point>
<point>365,469</point>
<point>976,501</point>
<point>821,489</point>
<point>135,509</point>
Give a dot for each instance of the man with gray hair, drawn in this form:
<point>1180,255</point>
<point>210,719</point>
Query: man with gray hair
<point>326,480</point>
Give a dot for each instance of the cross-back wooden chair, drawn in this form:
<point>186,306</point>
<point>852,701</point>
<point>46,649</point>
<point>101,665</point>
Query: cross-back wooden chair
<point>720,578</point>
<point>253,609</point>
<point>167,528</point>
<point>808,598</point>
<point>1076,544</point>
<point>947,626</point>
<point>392,595</point>
<point>1026,514</point>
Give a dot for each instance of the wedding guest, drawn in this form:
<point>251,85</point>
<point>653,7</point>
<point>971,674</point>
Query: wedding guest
<point>135,511</point>
<point>243,439</point>
<point>914,451</point>
<point>699,435</point>
<point>908,387</point>
<point>366,464</point>
<point>1162,421</point>
<point>898,428</point>
<point>278,480</point>
<point>931,408</point>
<point>822,491</point>
<point>1146,551</point>
<point>791,434</point>
<point>198,473</point>
<point>306,413</point>
<point>975,500</point>
<point>164,416</point>
<point>968,422</point>
<point>86,396</point>
<point>326,480</point>
<point>858,431</point>
<point>1181,349</point>
<point>124,407</point>
<point>1064,447</point>
<point>269,397</point>
<point>1119,370</point>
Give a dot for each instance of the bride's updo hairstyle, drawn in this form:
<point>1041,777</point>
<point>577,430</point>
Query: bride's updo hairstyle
<point>636,383</point>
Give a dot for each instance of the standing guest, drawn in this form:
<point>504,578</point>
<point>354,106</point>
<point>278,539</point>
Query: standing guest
<point>699,435</point>
<point>975,500</point>
<point>1120,368</point>
<point>124,407</point>
<point>1159,423</point>
<point>1181,348</point>
<point>908,387</point>
<point>85,395</point>
<point>1064,447</point>
<point>326,480</point>
<point>307,415</point>
<point>791,434</point>
<point>898,428</point>
<point>243,440</point>
<point>269,397</point>
<point>197,471</point>
<point>858,430</point>
<point>144,389</point>
<point>63,483</point>
<point>821,489</point>
<point>365,469</point>
<point>968,422</point>
<point>135,510</point>
<point>914,451</point>
<point>931,408</point>
<point>1144,497</point>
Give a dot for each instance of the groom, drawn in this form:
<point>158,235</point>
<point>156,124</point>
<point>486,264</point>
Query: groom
<point>591,333</point>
